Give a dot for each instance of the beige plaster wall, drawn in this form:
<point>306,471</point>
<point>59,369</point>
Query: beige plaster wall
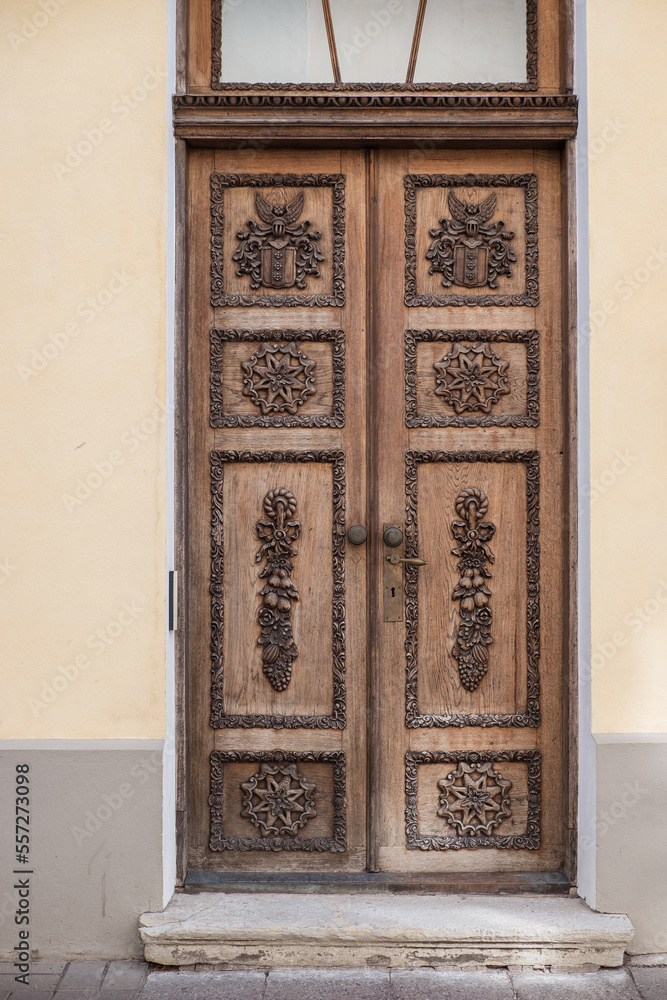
<point>627,89</point>
<point>82,251</point>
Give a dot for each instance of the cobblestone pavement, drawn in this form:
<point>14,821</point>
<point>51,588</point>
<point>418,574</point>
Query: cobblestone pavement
<point>137,981</point>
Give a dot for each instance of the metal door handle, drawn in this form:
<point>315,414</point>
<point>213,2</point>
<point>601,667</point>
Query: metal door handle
<point>395,560</point>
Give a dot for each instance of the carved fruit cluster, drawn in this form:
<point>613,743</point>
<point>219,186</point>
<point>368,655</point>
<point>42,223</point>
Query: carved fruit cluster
<point>278,532</point>
<point>474,630</point>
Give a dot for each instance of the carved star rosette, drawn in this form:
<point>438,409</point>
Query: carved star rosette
<point>278,378</point>
<point>472,377</point>
<point>278,800</point>
<point>474,799</point>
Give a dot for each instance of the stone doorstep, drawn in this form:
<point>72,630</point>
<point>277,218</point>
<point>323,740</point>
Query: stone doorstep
<point>245,930</point>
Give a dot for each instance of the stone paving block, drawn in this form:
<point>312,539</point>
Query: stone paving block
<point>651,982</point>
<point>460,984</point>
<point>39,983</point>
<point>659,958</point>
<point>608,984</point>
<point>81,976</point>
<point>327,984</point>
<point>125,976</point>
<point>33,994</point>
<point>47,968</point>
<point>204,986</point>
<point>97,995</point>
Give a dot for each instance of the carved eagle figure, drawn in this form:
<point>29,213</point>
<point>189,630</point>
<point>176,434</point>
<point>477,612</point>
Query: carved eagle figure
<point>279,216</point>
<point>472,216</point>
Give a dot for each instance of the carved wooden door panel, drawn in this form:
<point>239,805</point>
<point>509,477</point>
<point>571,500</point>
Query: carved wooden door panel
<point>349,710</point>
<point>277,465</point>
<point>469,457</point>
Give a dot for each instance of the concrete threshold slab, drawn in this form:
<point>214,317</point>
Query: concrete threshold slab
<point>341,930</point>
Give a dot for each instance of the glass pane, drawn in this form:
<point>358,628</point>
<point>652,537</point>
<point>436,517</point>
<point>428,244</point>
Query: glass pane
<point>473,41</point>
<point>374,38</point>
<point>274,41</point>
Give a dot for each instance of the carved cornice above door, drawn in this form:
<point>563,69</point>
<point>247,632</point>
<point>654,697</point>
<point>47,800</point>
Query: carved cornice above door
<point>383,117</point>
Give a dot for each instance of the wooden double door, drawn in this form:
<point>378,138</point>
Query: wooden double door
<point>376,578</point>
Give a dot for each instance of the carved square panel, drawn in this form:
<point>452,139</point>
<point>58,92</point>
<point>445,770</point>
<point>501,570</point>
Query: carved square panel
<point>277,378</point>
<point>277,801</point>
<point>277,240</point>
<point>472,378</point>
<point>278,589</point>
<point>462,799</point>
<point>471,240</point>
<point>472,612</point>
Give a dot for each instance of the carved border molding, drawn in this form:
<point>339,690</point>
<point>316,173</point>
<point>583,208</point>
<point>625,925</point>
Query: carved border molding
<point>529,841</point>
<point>529,84</point>
<point>335,337</point>
<point>397,100</point>
<point>219,182</point>
<point>219,842</point>
<point>219,719</point>
<point>413,182</point>
<point>414,719</point>
<point>530,338</point>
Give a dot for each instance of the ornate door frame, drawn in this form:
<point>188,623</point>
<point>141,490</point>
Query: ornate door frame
<point>356,117</point>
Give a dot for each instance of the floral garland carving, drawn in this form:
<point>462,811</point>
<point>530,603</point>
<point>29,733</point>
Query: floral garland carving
<point>219,718</point>
<point>277,337</point>
<point>278,532</point>
<point>414,719</point>
<point>473,634</point>
<point>476,760</point>
<point>280,760</point>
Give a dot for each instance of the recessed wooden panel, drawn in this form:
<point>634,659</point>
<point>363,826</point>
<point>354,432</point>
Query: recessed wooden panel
<point>436,609</point>
<point>277,378</point>
<point>277,801</point>
<point>277,240</point>
<point>471,240</point>
<point>471,378</point>
<point>243,693</point>
<point>469,799</point>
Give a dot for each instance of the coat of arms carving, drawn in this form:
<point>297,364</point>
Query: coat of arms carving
<point>279,251</point>
<point>469,249</point>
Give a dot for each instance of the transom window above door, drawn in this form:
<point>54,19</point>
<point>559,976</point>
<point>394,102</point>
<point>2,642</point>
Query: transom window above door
<point>479,43</point>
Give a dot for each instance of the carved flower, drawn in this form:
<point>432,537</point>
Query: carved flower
<point>471,377</point>
<point>475,799</point>
<point>278,799</point>
<point>483,616</point>
<point>283,382</point>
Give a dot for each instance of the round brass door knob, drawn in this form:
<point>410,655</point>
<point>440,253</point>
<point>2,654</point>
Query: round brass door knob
<point>357,534</point>
<point>393,537</point>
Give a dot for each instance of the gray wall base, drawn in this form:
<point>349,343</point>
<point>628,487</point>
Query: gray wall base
<point>631,841</point>
<point>96,846</point>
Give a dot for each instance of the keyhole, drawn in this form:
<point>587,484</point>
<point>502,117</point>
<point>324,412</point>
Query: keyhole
<point>393,591</point>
